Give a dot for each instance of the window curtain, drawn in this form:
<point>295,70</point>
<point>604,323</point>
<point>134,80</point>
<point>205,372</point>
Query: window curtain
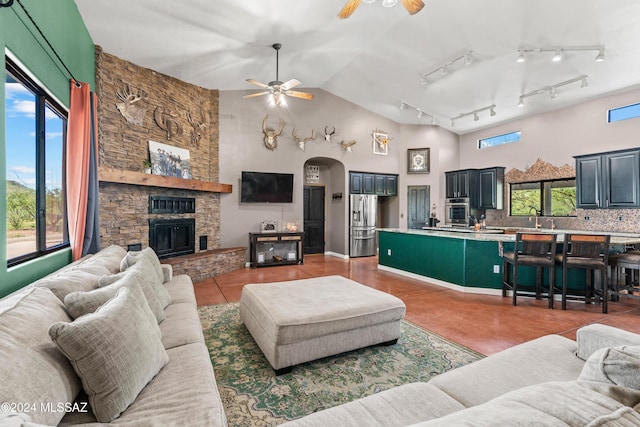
<point>82,171</point>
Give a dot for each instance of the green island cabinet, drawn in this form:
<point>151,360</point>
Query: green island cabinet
<point>608,180</point>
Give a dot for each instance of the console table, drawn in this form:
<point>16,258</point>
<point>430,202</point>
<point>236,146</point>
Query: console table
<point>270,249</point>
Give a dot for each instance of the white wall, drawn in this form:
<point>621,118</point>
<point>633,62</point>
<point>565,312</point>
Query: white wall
<point>556,136</point>
<point>241,148</point>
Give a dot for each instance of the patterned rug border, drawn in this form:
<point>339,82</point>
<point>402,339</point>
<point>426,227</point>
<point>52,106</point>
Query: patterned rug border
<point>253,396</point>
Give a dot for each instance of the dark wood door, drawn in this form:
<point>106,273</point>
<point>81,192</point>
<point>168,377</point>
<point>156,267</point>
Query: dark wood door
<point>418,206</point>
<point>314,219</point>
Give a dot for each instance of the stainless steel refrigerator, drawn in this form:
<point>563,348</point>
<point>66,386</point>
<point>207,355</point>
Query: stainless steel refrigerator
<point>362,226</point>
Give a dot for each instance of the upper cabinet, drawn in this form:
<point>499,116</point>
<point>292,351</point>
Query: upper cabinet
<point>608,180</point>
<point>491,193</point>
<point>462,183</point>
<point>370,183</point>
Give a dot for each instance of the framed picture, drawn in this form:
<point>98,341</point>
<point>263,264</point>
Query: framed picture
<point>380,143</point>
<point>269,226</point>
<point>418,160</point>
<point>167,160</point>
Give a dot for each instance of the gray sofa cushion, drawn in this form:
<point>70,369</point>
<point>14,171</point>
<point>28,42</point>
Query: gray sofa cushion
<point>180,290</point>
<point>549,358</point>
<point>116,351</point>
<point>567,403</point>
<point>134,256</point>
<point>399,406</point>
<point>182,326</point>
<point>614,365</point>
<point>596,336</point>
<point>33,370</point>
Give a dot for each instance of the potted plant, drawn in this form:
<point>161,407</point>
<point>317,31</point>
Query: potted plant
<point>146,165</point>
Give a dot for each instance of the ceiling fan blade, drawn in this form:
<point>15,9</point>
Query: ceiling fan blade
<point>297,94</point>
<point>257,83</point>
<point>253,95</point>
<point>289,84</point>
<point>413,6</point>
<point>349,8</point>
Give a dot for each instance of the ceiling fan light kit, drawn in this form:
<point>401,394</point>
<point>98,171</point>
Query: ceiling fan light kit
<point>558,52</point>
<point>553,93</point>
<point>277,90</point>
<point>412,6</point>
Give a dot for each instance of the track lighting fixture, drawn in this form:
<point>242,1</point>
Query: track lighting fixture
<point>553,93</point>
<point>558,52</point>
<point>474,113</point>
<point>446,68</point>
<point>421,113</point>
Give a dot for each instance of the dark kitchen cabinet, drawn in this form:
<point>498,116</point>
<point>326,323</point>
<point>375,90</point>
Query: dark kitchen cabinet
<point>371,183</point>
<point>608,180</point>
<point>461,183</point>
<point>386,185</point>
<point>491,192</point>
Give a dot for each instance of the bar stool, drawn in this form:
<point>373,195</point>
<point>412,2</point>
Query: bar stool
<point>630,261</point>
<point>533,250</point>
<point>589,252</point>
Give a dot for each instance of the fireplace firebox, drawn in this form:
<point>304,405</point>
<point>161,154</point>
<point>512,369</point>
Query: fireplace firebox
<point>172,237</point>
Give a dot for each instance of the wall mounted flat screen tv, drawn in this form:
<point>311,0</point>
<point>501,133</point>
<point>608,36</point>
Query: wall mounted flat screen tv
<point>266,187</point>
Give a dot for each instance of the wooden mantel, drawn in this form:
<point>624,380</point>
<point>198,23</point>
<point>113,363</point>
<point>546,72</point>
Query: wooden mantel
<point>107,174</point>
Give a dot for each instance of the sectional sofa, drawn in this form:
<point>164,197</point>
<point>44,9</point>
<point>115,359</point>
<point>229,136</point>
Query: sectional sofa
<point>134,355</point>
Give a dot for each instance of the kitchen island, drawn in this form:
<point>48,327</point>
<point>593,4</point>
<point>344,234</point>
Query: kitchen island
<point>466,261</point>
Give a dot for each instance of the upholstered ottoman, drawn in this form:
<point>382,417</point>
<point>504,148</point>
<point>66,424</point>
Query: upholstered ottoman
<point>302,320</point>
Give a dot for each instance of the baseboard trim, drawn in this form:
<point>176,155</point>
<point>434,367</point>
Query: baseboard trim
<point>337,255</point>
<point>442,283</point>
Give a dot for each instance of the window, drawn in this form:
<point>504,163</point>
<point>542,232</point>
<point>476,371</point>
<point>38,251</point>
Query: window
<point>35,140</point>
<point>547,198</point>
<point>499,139</point>
<point>623,113</point>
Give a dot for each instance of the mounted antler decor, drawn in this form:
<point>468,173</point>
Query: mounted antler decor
<point>129,107</point>
<point>327,134</point>
<point>270,134</point>
<point>198,126</point>
<point>346,146</point>
<point>165,121</point>
<point>380,142</point>
<point>302,141</point>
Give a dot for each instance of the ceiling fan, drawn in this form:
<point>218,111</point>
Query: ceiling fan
<point>412,6</point>
<point>278,89</point>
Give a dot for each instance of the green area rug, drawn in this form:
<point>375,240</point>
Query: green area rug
<point>254,396</point>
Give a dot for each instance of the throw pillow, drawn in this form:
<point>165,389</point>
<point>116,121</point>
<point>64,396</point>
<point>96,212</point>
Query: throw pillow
<point>614,365</point>
<point>115,351</point>
<point>134,256</point>
<point>144,271</point>
<point>80,303</point>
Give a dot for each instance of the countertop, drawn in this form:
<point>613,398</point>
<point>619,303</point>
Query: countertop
<point>496,234</point>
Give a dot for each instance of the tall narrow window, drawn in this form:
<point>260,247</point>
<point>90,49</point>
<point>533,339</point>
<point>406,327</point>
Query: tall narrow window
<point>35,140</point>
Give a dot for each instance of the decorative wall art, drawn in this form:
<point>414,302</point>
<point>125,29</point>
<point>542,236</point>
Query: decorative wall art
<point>346,146</point>
<point>269,226</point>
<point>418,160</point>
<point>380,142</point>
<point>270,134</point>
<point>301,140</point>
<point>131,106</point>
<point>198,124</point>
<point>312,174</point>
<point>166,120</point>
<point>328,133</point>
<point>167,160</point>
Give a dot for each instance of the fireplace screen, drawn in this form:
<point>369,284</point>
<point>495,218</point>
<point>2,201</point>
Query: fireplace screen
<point>172,237</point>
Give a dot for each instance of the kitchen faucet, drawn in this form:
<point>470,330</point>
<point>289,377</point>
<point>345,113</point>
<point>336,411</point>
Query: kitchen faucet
<point>537,212</point>
<point>553,224</point>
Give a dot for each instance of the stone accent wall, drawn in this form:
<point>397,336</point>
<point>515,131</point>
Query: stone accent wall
<point>207,264</point>
<point>124,144</point>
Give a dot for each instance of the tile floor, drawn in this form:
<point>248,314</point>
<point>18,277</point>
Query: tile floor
<point>484,323</point>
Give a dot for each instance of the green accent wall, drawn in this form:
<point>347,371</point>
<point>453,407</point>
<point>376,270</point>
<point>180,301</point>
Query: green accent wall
<point>62,25</point>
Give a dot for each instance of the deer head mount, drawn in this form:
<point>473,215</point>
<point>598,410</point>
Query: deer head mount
<point>346,146</point>
<point>270,134</point>
<point>302,141</point>
<point>198,124</point>
<point>129,107</point>
<point>327,134</point>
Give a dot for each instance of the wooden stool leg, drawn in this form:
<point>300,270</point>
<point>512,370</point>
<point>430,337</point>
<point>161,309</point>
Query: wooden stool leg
<point>564,286</point>
<point>552,279</point>
<point>515,283</point>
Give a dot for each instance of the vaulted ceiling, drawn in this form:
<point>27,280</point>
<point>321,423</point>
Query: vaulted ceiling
<point>378,56</point>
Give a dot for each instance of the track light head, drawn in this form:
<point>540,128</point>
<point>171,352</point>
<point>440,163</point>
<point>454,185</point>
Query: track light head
<point>553,93</point>
<point>419,113</point>
<point>521,102</point>
<point>444,71</point>
<point>584,83</point>
<point>468,59</point>
<point>475,117</point>
<point>433,120</point>
<point>600,56</point>
<point>402,105</point>
<point>521,57</point>
<point>557,57</point>
<point>492,111</point>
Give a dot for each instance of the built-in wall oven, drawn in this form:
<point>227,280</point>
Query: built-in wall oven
<point>457,212</point>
